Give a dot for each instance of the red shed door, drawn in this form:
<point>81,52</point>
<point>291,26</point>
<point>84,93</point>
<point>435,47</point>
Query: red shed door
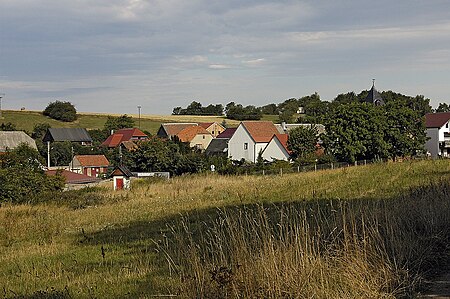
<point>119,184</point>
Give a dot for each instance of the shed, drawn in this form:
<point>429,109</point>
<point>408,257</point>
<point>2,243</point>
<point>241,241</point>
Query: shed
<point>68,134</point>
<point>121,177</point>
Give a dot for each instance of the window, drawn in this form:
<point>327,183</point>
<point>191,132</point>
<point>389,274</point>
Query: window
<point>245,146</point>
<point>446,125</point>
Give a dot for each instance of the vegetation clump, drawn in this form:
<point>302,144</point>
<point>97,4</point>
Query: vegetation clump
<point>63,111</point>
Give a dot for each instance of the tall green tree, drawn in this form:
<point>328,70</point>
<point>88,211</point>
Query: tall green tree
<point>443,107</point>
<point>302,141</point>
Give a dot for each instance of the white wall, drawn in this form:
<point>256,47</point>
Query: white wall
<point>275,150</point>
<point>236,145</point>
<point>432,144</point>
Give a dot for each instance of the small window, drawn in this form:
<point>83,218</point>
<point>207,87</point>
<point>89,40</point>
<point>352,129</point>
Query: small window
<point>446,125</point>
<point>213,133</point>
<point>246,146</point>
<point>203,136</point>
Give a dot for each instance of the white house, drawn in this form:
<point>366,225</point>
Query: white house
<point>438,131</point>
<point>277,149</point>
<point>250,138</point>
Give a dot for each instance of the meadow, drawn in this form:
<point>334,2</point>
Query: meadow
<point>372,231</point>
<point>26,120</point>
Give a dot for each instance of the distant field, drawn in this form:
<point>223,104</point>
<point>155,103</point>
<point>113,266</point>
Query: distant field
<point>26,120</point>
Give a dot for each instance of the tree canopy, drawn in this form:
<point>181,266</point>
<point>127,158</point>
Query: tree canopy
<point>117,123</point>
<point>196,108</point>
<point>63,111</point>
<point>302,141</point>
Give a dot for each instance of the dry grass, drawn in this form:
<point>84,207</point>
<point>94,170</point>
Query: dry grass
<point>60,246</point>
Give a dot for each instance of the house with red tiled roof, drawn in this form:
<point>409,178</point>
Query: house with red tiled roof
<point>90,165</point>
<point>72,178</point>
<point>277,148</point>
<point>197,136</point>
<point>249,139</point>
<point>438,132</point>
<point>131,134</point>
<point>214,128</point>
<point>169,130</point>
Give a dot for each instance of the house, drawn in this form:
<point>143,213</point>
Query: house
<point>219,145</point>
<point>214,128</point>
<point>284,128</point>
<point>197,137</point>
<point>169,130</point>
<point>9,140</point>
<point>130,134</point>
<point>122,178</point>
<point>78,135</point>
<point>90,165</point>
<point>277,149</point>
<point>438,132</point>
<point>249,139</point>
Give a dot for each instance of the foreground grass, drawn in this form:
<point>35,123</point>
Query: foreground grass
<point>169,237</point>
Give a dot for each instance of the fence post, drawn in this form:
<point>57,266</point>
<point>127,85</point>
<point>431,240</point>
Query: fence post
<point>365,162</point>
<point>332,166</point>
<point>281,171</point>
<point>298,168</point>
<point>356,163</point>
<point>315,167</point>
<point>263,172</point>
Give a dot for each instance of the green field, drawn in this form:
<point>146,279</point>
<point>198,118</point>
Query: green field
<point>360,232</point>
<point>26,120</point>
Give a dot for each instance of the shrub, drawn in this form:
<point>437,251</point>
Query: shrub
<point>63,111</point>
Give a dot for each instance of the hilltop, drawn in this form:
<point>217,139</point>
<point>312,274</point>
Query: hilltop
<point>25,120</point>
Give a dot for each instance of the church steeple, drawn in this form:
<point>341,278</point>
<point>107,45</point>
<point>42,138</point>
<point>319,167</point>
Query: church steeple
<point>374,96</point>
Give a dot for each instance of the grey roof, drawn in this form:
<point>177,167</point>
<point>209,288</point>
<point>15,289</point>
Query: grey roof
<point>12,139</point>
<point>67,134</point>
<point>374,97</point>
<point>217,146</point>
<point>285,128</point>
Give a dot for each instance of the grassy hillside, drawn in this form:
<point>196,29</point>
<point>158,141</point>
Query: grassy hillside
<point>347,233</point>
<point>25,120</point>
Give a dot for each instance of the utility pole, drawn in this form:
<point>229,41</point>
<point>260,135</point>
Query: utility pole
<point>2,95</point>
<point>139,112</point>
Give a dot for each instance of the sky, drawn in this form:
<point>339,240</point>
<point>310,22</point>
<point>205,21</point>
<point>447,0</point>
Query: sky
<point>114,55</point>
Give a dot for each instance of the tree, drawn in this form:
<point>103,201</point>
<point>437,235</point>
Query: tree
<point>302,141</point>
<point>177,111</point>
<point>22,178</point>
<point>39,130</point>
<point>355,131</point>
<point>63,111</point>
<point>117,123</point>
<point>443,107</point>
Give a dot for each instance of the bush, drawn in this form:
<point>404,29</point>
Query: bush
<point>63,111</point>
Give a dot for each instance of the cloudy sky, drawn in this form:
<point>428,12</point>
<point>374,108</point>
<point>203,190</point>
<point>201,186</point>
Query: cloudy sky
<point>113,55</point>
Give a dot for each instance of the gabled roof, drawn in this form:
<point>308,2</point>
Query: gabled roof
<point>92,160</point>
<point>73,178</point>
<point>12,139</point>
<point>123,135</point>
<point>67,134</point>
<point>205,125</point>
<point>260,131</point>
<point>121,170</point>
<point>217,146</point>
<point>436,120</point>
<point>227,134</point>
<point>130,145</point>
<point>374,96</point>
<point>189,133</point>
<point>173,129</point>
<point>283,138</point>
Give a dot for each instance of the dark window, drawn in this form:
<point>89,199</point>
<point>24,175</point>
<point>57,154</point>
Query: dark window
<point>246,146</point>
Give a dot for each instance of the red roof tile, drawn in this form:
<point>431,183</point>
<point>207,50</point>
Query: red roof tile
<point>283,138</point>
<point>205,125</point>
<point>227,134</point>
<point>92,160</point>
<point>436,120</point>
<point>189,133</point>
<point>123,135</point>
<point>173,129</point>
<point>72,177</point>
<point>260,131</point>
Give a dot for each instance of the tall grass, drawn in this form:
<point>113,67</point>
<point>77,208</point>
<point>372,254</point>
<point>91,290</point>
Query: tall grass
<point>286,234</point>
<point>317,249</point>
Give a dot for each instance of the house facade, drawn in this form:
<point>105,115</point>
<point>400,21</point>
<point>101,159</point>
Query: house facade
<point>277,149</point>
<point>213,128</point>
<point>90,165</point>
<point>196,136</point>
<point>249,139</point>
<point>438,132</point>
